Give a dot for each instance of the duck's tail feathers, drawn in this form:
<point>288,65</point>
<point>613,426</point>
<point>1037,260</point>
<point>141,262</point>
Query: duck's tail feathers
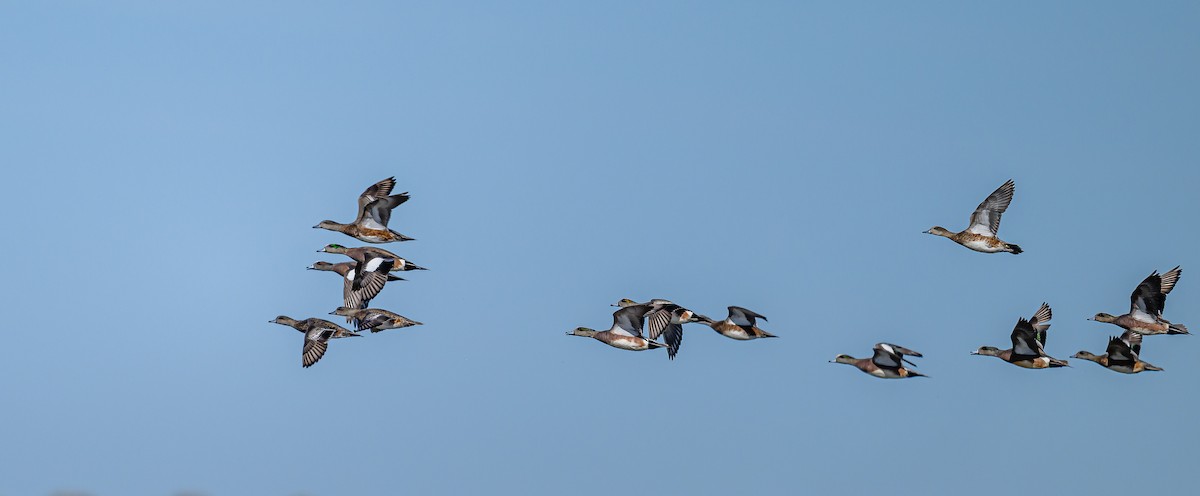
<point>1014,249</point>
<point>913,373</point>
<point>1055,362</point>
<point>401,237</point>
<point>1177,329</point>
<point>1152,368</point>
<point>654,344</point>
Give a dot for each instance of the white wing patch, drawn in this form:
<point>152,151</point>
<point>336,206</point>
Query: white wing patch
<point>1142,316</point>
<point>982,224</point>
<point>373,264</point>
<point>619,331</point>
<point>369,222</point>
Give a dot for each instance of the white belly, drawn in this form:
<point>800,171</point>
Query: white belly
<point>738,334</point>
<point>631,344</point>
<point>981,245</point>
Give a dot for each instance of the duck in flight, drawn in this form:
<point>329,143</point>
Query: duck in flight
<point>1122,355</point>
<point>375,319</point>
<point>317,333</point>
<point>626,331</point>
<point>888,362</point>
<point>985,224</point>
<point>374,211</point>
<point>1146,306</point>
<point>362,253</point>
<point>361,281</point>
<point>665,319</point>
<point>740,325</point>
<point>1029,341</point>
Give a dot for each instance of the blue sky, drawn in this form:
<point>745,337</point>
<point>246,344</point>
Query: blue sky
<point>166,161</point>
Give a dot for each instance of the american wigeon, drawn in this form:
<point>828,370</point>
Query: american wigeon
<point>374,211</point>
<point>887,363</point>
<point>985,224</point>
<point>375,319</point>
<point>1146,306</point>
<point>1029,341</point>
<point>317,333</point>
<point>361,281</point>
<point>1122,355</point>
<point>344,268</point>
<point>740,325</point>
<point>665,319</point>
<point>362,253</point>
<point>626,331</point>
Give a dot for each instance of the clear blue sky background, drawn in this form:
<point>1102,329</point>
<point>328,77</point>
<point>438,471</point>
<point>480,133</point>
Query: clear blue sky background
<point>165,162</point>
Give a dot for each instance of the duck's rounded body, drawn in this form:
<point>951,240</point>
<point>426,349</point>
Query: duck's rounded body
<point>630,343</point>
<point>740,333</point>
<point>1023,361</point>
<point>977,242</point>
<point>375,319</point>
<point>617,340</point>
<point>364,253</point>
<point>377,236</point>
<point>741,324</point>
<point>1132,323</point>
<point>1124,368</point>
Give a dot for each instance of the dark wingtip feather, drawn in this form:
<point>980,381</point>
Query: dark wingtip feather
<point>1014,249</point>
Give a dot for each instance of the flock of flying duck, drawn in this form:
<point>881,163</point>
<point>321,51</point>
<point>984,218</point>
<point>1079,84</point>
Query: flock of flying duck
<point>666,319</point>
<point>1028,337</point>
<point>363,278</point>
<point>370,269</point>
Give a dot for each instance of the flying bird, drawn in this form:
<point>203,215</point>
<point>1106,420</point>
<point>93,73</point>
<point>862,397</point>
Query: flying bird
<point>740,325</point>
<point>887,363</point>
<point>362,253</point>
<point>1123,355</point>
<point>1146,306</point>
<point>375,319</point>
<point>317,333</point>
<point>626,331</point>
<point>361,281</point>
<point>665,319</point>
<point>1028,341</point>
<point>374,211</point>
<point>985,224</point>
